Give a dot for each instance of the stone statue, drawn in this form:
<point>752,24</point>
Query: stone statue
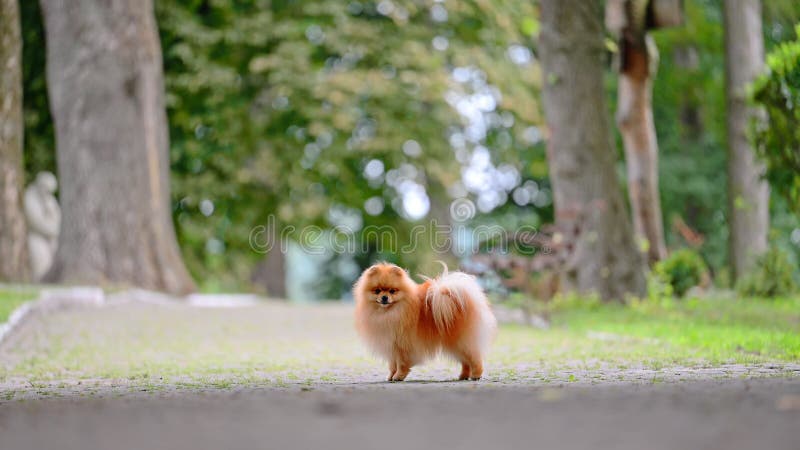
<point>44,220</point>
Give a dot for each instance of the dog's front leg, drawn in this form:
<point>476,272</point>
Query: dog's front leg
<point>403,367</point>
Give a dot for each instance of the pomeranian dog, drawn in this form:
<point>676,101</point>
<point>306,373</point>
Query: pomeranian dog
<point>408,323</point>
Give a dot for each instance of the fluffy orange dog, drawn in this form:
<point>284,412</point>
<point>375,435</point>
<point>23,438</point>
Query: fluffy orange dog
<point>408,323</point>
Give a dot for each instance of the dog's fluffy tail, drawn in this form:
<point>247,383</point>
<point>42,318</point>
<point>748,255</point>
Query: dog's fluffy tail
<point>454,294</point>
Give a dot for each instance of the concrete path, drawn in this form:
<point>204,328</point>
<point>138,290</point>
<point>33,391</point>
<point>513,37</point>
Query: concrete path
<point>731,415</point>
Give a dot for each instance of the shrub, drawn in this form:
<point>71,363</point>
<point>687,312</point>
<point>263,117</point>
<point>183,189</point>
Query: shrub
<point>682,270</point>
<point>658,288</point>
<point>772,276</point>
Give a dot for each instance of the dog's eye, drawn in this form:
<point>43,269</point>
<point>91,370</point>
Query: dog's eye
<point>377,291</point>
<point>392,291</point>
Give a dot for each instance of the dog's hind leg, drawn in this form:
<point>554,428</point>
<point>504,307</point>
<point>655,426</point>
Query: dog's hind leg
<point>471,364</point>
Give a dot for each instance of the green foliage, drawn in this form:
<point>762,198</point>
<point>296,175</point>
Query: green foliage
<point>276,107</point>
<point>689,111</point>
<point>658,288</point>
<point>689,114</point>
<point>773,276</point>
<point>722,278</point>
<point>777,137</point>
<point>40,150</point>
<point>682,270</point>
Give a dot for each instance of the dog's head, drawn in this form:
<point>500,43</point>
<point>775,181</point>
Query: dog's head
<point>384,285</point>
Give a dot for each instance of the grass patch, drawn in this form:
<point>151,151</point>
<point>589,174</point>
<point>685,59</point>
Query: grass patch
<point>669,332</point>
<point>13,298</point>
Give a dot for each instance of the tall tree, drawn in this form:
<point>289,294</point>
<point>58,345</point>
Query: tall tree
<point>580,151</point>
<point>748,194</point>
<point>638,60</point>
<point>269,274</point>
<point>13,233</point>
<point>104,73</point>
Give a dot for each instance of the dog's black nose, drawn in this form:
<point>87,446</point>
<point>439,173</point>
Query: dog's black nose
<point>384,299</point>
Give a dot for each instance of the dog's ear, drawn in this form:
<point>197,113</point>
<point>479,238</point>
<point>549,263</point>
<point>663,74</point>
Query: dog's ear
<point>397,271</point>
<point>373,270</point>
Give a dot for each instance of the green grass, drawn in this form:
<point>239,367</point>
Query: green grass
<point>12,298</point>
<point>672,332</point>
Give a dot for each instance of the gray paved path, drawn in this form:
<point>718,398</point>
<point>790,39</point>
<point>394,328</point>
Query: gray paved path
<point>730,415</point>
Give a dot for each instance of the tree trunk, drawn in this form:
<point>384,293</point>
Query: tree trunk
<point>104,74</point>
<point>748,194</point>
<point>580,151</point>
<point>270,273</point>
<point>638,61</point>
<point>13,232</point>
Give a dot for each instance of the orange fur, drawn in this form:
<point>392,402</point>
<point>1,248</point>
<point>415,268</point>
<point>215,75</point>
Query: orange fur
<point>447,314</point>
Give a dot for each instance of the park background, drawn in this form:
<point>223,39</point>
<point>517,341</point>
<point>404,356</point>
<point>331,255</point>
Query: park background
<point>330,116</point>
<point>365,114</point>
